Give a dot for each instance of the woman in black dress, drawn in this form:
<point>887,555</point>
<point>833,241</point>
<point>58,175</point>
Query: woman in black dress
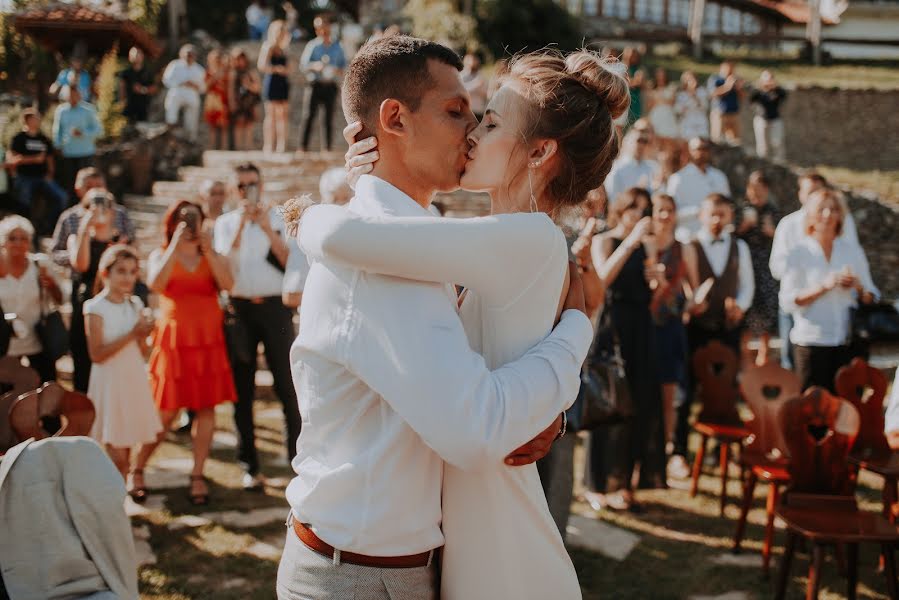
<point>620,258</point>
<point>756,223</point>
<point>275,87</point>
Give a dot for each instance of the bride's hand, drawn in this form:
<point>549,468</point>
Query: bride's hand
<point>361,156</point>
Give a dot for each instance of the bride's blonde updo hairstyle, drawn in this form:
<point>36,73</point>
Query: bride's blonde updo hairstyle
<point>575,100</point>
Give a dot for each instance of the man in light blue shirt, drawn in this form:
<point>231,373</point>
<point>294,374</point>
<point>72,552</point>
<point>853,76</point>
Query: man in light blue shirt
<point>75,130</point>
<point>323,62</point>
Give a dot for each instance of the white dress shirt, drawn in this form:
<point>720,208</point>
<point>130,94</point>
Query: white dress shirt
<point>389,388</point>
<point>514,267</point>
<point>790,231</point>
<point>178,72</point>
<point>717,252</point>
<point>824,322</point>
<point>689,187</point>
<point>254,276</point>
<point>22,296</point>
<point>629,172</point>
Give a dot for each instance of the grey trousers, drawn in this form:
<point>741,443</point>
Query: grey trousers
<point>306,575</point>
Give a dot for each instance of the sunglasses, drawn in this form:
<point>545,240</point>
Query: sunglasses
<point>244,186</point>
<point>642,140</point>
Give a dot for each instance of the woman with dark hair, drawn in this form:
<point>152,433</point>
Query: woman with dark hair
<point>546,140</point>
<point>188,364</point>
<point>670,266</point>
<point>756,225</point>
<point>621,257</point>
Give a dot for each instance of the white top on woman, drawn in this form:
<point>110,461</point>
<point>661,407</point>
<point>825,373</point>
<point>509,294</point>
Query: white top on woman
<point>824,322</point>
<point>693,110</point>
<point>501,541</point>
<point>21,295</point>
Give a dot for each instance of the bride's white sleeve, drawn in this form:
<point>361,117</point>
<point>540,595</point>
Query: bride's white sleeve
<point>495,256</point>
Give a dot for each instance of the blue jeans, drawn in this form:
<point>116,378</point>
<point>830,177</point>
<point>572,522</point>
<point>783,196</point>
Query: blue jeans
<point>784,326</point>
<point>26,187</point>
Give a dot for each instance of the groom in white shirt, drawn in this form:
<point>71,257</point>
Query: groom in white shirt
<point>389,388</point>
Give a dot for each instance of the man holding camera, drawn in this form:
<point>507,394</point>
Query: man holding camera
<point>255,240</point>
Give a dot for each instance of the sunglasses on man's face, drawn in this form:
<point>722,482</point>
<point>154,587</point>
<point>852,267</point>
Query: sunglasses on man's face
<point>243,186</point>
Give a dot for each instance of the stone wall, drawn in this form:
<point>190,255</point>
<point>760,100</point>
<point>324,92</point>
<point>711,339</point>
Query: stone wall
<point>855,129</point>
<point>877,222</point>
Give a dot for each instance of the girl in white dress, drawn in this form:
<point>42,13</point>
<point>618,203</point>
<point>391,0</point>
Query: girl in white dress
<point>692,107</point>
<point>116,335</point>
<point>547,138</point>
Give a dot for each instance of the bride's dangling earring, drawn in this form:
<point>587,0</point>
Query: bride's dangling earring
<point>531,186</point>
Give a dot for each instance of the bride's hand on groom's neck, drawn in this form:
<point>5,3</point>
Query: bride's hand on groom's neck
<point>361,156</point>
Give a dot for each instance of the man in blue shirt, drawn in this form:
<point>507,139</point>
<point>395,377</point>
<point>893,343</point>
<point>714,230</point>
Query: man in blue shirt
<point>323,62</point>
<point>726,91</point>
<point>75,129</point>
<point>76,76</point>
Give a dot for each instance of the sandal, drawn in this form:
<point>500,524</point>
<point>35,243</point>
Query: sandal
<point>138,493</point>
<point>198,499</point>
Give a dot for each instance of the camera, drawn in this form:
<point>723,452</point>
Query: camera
<point>252,192</point>
<point>190,218</point>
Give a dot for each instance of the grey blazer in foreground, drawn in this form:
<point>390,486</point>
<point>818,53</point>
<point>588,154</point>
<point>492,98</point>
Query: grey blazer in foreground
<point>63,528</point>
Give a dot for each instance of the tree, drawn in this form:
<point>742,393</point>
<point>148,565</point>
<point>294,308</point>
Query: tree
<point>109,108</point>
<point>438,20</point>
<point>510,26</point>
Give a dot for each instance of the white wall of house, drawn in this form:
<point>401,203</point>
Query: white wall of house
<point>862,20</point>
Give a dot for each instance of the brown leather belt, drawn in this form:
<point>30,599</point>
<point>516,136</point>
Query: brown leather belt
<point>314,543</point>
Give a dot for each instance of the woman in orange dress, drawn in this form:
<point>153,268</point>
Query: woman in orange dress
<point>215,107</point>
<point>188,365</point>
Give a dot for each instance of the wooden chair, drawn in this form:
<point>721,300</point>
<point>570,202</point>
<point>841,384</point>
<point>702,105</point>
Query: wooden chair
<point>819,504</point>
<point>32,413</point>
<point>14,381</point>
<point>865,387</point>
<point>764,457</point>
<point>715,369</point>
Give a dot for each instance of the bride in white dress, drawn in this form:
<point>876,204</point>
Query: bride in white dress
<point>546,139</point>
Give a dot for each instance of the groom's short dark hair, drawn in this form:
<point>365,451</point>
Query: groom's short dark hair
<point>391,67</point>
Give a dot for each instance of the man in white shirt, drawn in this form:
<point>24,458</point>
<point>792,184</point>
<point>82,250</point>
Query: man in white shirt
<point>185,79</point>
<point>789,232</point>
<point>253,237</point>
<point>719,316</point>
<point>633,168</point>
<point>692,184</point>
<point>389,385</point>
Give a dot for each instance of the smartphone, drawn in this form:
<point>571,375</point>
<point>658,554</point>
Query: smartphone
<point>191,219</point>
<point>252,192</point>
<point>101,201</point>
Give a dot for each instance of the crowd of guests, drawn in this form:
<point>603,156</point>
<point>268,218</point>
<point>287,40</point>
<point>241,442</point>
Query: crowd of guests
<point>225,252</point>
<point>675,261</point>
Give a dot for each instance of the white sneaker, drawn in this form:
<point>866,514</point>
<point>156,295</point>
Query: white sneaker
<point>678,467</point>
<point>253,483</point>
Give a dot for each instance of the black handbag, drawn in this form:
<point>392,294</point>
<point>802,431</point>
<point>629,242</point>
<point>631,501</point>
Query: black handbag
<point>51,330</point>
<point>6,333</point>
<point>875,322</point>
<point>604,397</point>
<point>236,337</point>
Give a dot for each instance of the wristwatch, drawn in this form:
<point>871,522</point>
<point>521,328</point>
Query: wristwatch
<point>564,428</point>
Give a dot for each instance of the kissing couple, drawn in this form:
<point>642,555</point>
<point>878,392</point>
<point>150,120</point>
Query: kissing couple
<point>415,475</point>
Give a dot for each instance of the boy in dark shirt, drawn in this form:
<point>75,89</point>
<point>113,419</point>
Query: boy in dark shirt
<point>31,155</point>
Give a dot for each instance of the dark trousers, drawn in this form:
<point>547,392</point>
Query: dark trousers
<point>818,365</point>
<point>81,360</point>
<point>45,367</point>
<point>55,200</point>
<point>698,337</point>
<point>323,94</point>
<point>271,323</point>
<point>68,169</point>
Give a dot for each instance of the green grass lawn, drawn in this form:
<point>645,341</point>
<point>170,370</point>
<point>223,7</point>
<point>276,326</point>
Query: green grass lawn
<point>679,537</point>
<point>884,183</point>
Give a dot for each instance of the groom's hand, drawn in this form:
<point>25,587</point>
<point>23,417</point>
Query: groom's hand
<point>537,448</point>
